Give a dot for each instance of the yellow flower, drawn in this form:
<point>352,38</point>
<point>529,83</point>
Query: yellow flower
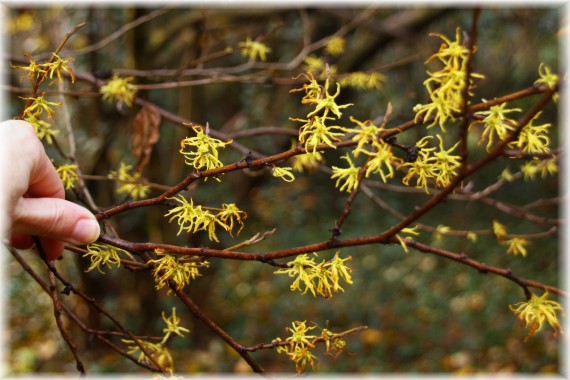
<point>103,254</point>
<point>496,123</point>
<point>312,89</point>
<point>534,312</point>
<point>499,229</point>
<point>382,160</point>
<point>300,343</point>
<point>301,268</point>
<point>314,132</point>
<point>423,170</point>
<point>181,271</point>
<point>507,175</point>
<point>130,184</point>
<point>363,80</point>
<point>68,175</point>
<point>302,357</point>
<point>43,129</point>
<point>410,231</point>
<point>157,351</point>
<point>284,173</point>
<point>440,166</point>
<point>445,87</point>
<point>328,103</point>
<point>445,164</point>
<point>35,71</point>
<point>254,50</point>
<point>318,65</point>
<point>172,326</point>
<point>349,175</point>
<point>441,230</point>
<point>533,138</point>
<point>308,161</point>
<point>547,78</point>
<point>422,166</point>
<point>192,218</point>
<point>119,90</point>
<point>322,278</point>
<point>299,334</point>
<point>205,156</point>
<point>335,46</point>
<point>549,166</point>
<point>337,270</point>
<point>517,246</point>
<point>366,134</point>
<point>545,167</point>
<point>39,104</point>
<point>529,169</point>
<point>226,216</point>
<point>58,66</point>
<point>20,22</point>
<point>452,54</point>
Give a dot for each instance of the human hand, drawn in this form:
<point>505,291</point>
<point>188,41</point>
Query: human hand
<point>32,195</point>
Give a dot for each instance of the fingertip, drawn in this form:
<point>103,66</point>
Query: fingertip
<point>86,231</point>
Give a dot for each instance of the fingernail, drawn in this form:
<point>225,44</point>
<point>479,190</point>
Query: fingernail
<point>86,231</point>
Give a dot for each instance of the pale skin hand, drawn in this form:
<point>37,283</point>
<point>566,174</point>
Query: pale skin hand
<point>32,195</point>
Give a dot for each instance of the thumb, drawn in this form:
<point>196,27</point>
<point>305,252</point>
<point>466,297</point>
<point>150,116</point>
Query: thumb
<point>55,218</point>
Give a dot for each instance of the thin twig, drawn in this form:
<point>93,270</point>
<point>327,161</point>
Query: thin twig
<point>97,333</point>
<point>198,313</point>
<point>484,268</point>
<point>464,126</point>
<point>64,334</point>
<point>119,32</point>
<point>336,230</point>
<point>267,257</point>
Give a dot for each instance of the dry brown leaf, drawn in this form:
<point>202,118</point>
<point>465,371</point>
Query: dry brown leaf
<point>145,135</point>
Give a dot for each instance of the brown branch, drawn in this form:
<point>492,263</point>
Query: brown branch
<point>57,316</point>
<point>336,231</point>
<point>464,126</point>
<point>267,257</point>
<point>97,333</point>
<point>70,288</point>
<point>484,268</point>
<point>520,212</point>
<point>198,313</point>
<point>119,32</point>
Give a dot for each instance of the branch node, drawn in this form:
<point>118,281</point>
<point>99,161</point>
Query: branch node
<point>336,232</point>
<point>66,290</point>
<point>248,160</point>
<point>332,243</point>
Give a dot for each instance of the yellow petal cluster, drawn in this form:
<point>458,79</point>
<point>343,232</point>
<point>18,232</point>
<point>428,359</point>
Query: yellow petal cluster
<point>536,311</point>
<point>322,278</point>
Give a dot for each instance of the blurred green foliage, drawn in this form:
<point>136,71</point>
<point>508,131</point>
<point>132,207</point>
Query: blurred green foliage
<point>425,314</point>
